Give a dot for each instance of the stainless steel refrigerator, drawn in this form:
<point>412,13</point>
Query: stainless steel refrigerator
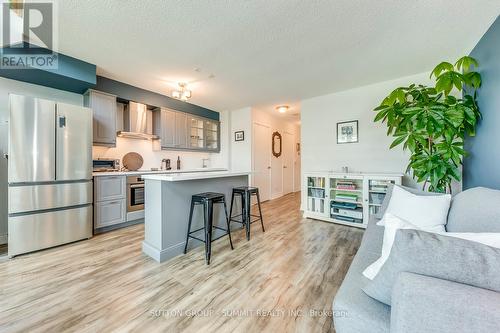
<point>49,174</point>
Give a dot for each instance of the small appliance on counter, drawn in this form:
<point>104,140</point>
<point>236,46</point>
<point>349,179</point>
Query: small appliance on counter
<point>165,164</point>
<point>105,165</point>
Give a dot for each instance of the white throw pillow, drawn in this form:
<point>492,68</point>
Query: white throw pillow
<point>428,213</point>
<point>393,223</point>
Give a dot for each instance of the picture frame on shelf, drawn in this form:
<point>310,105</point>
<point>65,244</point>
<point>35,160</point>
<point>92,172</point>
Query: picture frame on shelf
<point>239,136</point>
<point>347,132</point>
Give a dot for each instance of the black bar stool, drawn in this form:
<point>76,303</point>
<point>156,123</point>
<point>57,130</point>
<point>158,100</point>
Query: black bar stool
<point>246,192</point>
<point>207,199</point>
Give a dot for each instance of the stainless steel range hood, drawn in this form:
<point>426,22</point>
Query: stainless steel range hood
<point>135,122</point>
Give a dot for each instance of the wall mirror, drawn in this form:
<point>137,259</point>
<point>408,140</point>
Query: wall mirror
<point>277,146</point>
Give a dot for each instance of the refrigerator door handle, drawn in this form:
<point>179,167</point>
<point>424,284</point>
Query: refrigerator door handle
<point>62,121</point>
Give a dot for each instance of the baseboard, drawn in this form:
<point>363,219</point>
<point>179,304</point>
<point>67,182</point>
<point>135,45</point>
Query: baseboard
<point>4,238</point>
<point>162,255</point>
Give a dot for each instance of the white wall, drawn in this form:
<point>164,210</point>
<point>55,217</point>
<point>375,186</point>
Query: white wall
<point>241,151</point>
<point>17,87</point>
<point>319,117</point>
<point>152,158</point>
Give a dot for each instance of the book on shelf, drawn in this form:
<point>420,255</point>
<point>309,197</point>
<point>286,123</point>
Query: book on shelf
<point>378,188</point>
<point>348,219</point>
<point>343,205</point>
<point>346,196</point>
<point>380,182</point>
<point>346,185</point>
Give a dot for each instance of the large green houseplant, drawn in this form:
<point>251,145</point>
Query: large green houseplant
<point>431,122</point>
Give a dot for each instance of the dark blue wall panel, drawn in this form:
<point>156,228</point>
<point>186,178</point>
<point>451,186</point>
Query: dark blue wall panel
<point>482,167</point>
<point>71,75</point>
<point>131,93</point>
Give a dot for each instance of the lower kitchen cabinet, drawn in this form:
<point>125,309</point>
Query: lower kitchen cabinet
<point>110,201</point>
<point>109,213</point>
<point>109,188</point>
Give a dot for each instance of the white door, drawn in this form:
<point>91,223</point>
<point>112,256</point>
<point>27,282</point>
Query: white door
<point>288,159</point>
<point>261,176</point>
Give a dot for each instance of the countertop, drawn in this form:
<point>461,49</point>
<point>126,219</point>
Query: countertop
<point>159,172</point>
<point>176,177</point>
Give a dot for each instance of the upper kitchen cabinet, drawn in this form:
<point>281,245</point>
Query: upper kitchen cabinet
<point>212,135</point>
<point>171,127</point>
<point>104,107</point>
<point>196,133</point>
<point>182,131</point>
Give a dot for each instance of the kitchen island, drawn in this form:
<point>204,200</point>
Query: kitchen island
<point>167,203</point>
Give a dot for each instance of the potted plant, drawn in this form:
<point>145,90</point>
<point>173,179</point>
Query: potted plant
<point>431,122</point>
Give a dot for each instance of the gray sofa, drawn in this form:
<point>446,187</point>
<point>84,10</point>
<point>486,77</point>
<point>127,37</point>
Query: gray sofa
<point>417,309</point>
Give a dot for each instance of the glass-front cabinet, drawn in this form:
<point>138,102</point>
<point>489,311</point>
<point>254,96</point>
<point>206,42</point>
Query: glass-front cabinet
<point>316,195</point>
<point>197,133</point>
<point>211,134</point>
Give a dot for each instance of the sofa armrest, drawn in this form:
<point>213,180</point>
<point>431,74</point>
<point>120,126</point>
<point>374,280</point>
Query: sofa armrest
<point>426,304</point>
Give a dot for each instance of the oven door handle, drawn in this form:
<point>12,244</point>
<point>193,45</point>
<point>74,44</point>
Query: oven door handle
<point>137,186</point>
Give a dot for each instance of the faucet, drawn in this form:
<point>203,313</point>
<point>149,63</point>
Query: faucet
<point>204,162</point>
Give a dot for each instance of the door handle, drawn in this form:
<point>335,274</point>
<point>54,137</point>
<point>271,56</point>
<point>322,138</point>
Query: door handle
<point>6,156</point>
<point>269,167</point>
<point>284,166</point>
<point>62,121</point>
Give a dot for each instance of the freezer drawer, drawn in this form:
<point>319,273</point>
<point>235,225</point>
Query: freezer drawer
<point>29,233</point>
<point>48,196</point>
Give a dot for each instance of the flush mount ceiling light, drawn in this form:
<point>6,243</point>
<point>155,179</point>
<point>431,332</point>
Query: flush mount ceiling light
<point>182,93</point>
<point>282,108</point>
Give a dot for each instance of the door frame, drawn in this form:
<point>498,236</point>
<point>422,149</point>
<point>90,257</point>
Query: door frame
<point>270,174</point>
<point>292,166</point>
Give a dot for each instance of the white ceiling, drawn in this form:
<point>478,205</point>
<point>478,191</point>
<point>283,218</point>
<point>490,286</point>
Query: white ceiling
<point>268,52</point>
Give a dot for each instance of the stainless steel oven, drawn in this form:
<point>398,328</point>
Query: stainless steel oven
<point>135,193</point>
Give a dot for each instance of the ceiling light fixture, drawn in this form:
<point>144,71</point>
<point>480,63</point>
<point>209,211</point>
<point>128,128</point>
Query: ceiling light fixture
<point>282,108</point>
<point>182,93</point>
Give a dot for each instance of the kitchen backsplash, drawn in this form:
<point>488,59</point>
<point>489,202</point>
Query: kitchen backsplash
<point>152,157</point>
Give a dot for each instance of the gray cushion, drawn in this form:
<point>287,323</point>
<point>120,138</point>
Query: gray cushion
<point>354,311</point>
<point>388,195</point>
<point>434,255</point>
<point>373,237</point>
<point>475,210</point>
<point>425,304</point>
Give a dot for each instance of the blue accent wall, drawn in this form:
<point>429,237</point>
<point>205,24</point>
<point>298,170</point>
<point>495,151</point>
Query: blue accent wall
<point>72,74</point>
<point>482,166</point>
<point>78,76</point>
<point>130,93</point>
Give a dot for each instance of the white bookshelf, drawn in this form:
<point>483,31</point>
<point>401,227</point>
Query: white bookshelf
<point>348,199</point>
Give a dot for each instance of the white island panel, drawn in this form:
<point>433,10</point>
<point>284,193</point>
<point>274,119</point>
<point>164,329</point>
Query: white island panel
<point>167,204</point>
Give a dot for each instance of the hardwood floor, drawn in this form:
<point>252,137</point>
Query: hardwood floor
<point>271,284</point>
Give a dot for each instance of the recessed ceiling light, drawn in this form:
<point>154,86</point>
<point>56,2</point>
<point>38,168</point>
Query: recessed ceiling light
<point>282,108</point>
